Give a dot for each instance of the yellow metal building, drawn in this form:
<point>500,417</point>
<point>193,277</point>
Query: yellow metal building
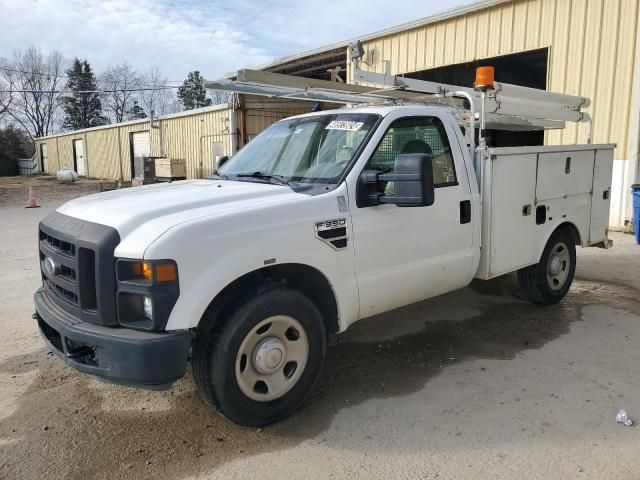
<point>197,136</point>
<point>585,47</point>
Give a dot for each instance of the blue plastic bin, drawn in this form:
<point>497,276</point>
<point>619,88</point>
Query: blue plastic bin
<point>635,192</point>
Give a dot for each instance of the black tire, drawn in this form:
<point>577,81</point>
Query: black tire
<point>535,283</point>
<point>220,336</point>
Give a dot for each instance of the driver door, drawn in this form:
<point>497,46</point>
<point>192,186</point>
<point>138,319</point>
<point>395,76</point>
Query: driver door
<point>407,254</point>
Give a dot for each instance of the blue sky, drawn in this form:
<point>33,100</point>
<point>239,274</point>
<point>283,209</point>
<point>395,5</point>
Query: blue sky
<point>177,35</point>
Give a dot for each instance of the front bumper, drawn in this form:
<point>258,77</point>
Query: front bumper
<point>119,355</point>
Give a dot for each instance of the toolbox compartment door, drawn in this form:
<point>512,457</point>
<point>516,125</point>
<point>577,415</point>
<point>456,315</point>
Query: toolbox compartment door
<point>512,212</point>
<point>563,174</point>
<point>601,198</point>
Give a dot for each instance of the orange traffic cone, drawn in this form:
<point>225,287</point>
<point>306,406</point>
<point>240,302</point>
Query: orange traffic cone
<point>32,203</point>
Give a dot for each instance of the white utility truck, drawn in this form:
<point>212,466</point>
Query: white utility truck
<point>321,220</point>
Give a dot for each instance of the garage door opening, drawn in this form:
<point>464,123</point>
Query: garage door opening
<point>140,148</point>
<point>528,69</point>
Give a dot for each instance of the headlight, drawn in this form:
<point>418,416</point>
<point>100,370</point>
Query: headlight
<point>147,292</point>
<point>148,307</point>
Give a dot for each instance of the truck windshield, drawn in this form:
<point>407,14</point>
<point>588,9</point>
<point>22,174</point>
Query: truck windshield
<point>314,149</point>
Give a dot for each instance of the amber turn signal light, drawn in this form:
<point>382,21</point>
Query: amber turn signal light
<point>146,271</point>
<point>138,270</point>
<point>166,272</point>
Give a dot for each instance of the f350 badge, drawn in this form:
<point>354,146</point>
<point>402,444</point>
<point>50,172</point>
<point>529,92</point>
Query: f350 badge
<point>333,232</point>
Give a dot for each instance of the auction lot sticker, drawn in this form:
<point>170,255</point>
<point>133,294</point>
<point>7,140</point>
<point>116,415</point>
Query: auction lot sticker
<point>344,125</point>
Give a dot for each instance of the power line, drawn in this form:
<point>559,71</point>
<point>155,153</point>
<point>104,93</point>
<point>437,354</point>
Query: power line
<point>60,75</point>
<point>26,72</point>
<point>138,44</point>
<point>245,22</point>
<point>119,90</point>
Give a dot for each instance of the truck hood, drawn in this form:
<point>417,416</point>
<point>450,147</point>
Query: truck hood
<point>142,214</point>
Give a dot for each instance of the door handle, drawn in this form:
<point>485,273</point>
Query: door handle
<point>465,211</point>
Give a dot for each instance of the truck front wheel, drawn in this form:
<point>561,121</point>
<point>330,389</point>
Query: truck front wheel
<point>548,281</point>
<point>257,359</point>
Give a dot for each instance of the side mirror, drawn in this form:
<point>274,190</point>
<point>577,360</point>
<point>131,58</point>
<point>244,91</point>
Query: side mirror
<point>412,179</point>
<point>221,160</point>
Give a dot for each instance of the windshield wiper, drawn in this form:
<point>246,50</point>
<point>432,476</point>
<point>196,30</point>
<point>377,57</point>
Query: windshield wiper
<point>279,179</point>
<point>221,176</point>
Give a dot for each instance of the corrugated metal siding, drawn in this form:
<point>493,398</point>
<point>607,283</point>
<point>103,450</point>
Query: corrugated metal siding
<point>59,151</point>
<point>190,138</point>
<point>103,157</point>
<point>591,52</point>
<point>108,150</point>
<point>101,149</point>
<point>262,112</point>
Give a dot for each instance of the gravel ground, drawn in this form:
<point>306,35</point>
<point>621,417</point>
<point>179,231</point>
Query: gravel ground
<point>473,384</point>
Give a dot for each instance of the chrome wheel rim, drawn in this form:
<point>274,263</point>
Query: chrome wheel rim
<point>272,358</point>
<point>558,266</point>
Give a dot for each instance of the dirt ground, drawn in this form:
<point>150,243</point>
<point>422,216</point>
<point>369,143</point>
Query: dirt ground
<point>473,384</point>
<point>15,190</point>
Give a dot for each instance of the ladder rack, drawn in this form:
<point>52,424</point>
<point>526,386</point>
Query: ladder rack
<point>506,107</point>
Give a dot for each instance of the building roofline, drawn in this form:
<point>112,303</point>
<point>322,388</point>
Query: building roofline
<point>438,17</point>
<point>186,113</point>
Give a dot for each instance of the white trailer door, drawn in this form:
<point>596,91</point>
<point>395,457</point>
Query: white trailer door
<point>217,148</point>
<point>78,152</point>
<point>45,157</point>
<point>141,147</point>
<point>407,254</point>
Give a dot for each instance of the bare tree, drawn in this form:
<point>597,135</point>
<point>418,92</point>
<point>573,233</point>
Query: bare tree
<point>5,91</point>
<point>5,99</point>
<point>118,82</point>
<point>159,99</point>
<point>34,82</point>
<point>219,96</point>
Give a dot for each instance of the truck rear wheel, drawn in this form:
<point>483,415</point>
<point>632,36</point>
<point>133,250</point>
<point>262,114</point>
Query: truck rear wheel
<point>257,360</point>
<point>548,281</point>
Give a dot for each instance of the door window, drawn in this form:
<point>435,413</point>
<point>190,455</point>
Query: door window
<point>417,135</point>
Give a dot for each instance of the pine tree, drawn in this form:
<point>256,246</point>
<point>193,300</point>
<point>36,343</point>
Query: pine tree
<point>192,93</point>
<point>136,111</point>
<point>82,110</point>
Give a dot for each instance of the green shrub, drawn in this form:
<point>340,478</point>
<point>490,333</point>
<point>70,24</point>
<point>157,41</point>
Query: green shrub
<point>12,148</point>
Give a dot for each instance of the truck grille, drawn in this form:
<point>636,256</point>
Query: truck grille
<point>65,248</point>
<point>73,254</point>
<point>64,281</point>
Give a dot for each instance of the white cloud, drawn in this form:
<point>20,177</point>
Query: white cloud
<point>180,35</point>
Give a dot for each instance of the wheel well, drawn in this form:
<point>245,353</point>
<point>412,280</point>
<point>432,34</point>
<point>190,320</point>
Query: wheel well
<point>571,230</point>
<point>311,282</point>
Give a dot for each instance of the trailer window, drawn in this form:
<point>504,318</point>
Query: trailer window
<point>417,135</point>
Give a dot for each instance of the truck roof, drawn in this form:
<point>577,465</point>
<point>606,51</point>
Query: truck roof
<point>382,110</point>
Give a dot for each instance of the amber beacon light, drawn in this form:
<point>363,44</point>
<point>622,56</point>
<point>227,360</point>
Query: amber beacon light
<point>484,78</point>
